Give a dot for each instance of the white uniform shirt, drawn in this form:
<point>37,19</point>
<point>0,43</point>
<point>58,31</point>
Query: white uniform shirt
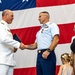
<point>7,45</point>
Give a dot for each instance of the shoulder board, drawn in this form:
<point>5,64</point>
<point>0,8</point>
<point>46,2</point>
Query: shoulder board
<point>2,23</point>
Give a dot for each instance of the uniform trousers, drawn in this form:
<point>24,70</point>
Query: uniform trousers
<point>6,69</point>
<point>46,66</point>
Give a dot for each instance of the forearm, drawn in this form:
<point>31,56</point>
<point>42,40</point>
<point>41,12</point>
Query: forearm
<point>31,46</point>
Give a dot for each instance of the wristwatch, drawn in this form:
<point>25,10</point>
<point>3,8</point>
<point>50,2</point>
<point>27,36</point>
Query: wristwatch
<point>48,50</point>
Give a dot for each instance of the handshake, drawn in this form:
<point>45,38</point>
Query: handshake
<point>22,46</point>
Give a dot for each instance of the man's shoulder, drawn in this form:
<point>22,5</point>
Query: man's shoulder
<point>73,37</point>
<point>1,23</point>
<point>52,25</point>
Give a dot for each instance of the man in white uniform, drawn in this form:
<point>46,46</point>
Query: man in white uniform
<point>7,44</point>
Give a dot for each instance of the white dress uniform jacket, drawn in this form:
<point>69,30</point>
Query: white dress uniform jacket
<point>7,44</point>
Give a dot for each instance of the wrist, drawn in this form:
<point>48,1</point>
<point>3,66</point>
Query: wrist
<point>49,50</point>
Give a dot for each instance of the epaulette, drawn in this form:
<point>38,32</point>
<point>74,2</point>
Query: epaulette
<point>2,23</point>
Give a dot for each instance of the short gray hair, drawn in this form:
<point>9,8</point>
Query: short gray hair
<point>5,12</point>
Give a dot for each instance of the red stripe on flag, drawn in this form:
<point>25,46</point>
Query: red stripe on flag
<point>28,35</point>
<point>66,32</point>
<point>29,71</point>
<point>25,71</point>
<point>43,3</point>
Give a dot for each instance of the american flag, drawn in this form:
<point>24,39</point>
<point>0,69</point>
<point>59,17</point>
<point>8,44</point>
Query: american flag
<point>26,25</point>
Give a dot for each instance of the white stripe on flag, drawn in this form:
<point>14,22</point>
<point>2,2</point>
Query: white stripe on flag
<point>59,14</point>
<point>27,58</point>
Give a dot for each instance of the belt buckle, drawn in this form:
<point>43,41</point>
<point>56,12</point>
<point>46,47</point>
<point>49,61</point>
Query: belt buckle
<point>39,51</point>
